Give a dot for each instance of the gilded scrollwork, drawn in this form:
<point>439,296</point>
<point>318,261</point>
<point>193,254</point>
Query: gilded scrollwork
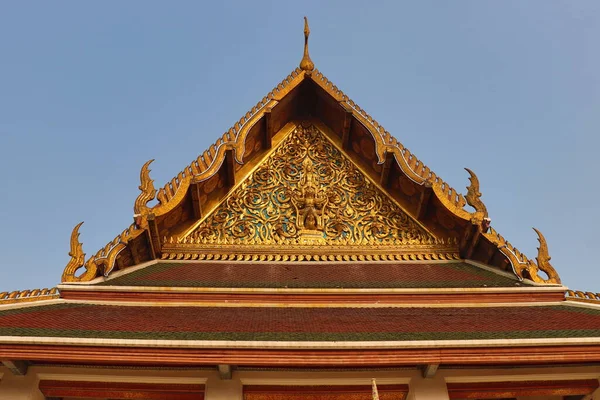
<point>207,164</point>
<point>307,184</point>
<point>410,165</point>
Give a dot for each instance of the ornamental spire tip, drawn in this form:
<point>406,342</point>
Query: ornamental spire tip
<point>306,64</point>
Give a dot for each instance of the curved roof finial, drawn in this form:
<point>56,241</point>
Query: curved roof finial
<point>306,64</point>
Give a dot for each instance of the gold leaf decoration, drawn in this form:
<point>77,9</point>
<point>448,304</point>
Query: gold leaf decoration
<point>543,262</point>
<point>22,296</point>
<point>473,195</point>
<point>100,263</point>
<point>307,192</point>
<point>148,193</point>
<point>77,260</point>
<point>306,64</point>
<point>522,266</point>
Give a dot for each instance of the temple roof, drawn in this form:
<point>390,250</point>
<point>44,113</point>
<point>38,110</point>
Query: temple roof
<point>311,184</point>
<point>307,235</point>
<point>240,274</point>
<point>340,181</point>
<point>302,324</point>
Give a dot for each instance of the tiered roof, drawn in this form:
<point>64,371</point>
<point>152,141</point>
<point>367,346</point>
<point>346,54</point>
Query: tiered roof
<point>307,235</point>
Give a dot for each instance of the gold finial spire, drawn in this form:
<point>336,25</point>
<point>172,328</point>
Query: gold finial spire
<point>306,64</point>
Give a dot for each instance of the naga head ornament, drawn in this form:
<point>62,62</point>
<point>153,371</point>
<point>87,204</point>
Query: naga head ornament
<point>473,195</point>
<point>148,193</point>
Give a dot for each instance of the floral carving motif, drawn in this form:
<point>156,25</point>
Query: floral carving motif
<point>307,184</point>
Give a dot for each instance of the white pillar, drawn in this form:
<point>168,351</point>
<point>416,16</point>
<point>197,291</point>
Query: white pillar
<point>14,387</point>
<point>223,389</point>
<point>427,389</point>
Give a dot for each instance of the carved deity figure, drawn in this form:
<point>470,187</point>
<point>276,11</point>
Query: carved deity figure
<point>309,200</point>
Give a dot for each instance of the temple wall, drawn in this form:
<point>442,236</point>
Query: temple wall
<point>26,387</point>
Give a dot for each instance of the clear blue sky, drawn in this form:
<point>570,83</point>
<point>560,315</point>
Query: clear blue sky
<point>91,90</point>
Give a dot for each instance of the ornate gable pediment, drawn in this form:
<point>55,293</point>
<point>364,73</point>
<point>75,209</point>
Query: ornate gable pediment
<point>308,194</point>
<point>314,208</point>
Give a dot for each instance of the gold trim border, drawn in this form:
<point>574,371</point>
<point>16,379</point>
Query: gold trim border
<point>22,296</point>
<point>308,253</point>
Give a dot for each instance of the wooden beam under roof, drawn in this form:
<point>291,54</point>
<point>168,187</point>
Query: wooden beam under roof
<point>268,128</point>
<point>346,129</point>
<point>424,201</point>
<point>153,237</point>
<point>385,171</point>
<point>470,241</point>
<point>17,367</point>
<point>430,370</point>
<point>230,167</point>
<point>196,204</point>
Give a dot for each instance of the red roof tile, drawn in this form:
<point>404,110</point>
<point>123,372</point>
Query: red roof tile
<point>302,324</point>
<point>314,275</point>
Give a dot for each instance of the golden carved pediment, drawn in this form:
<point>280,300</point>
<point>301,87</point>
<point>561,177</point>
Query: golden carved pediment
<point>307,192</point>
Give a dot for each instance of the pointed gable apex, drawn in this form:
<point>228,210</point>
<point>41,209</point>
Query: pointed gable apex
<point>426,198</point>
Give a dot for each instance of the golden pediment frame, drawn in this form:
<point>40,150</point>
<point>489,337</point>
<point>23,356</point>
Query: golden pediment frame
<point>307,200</point>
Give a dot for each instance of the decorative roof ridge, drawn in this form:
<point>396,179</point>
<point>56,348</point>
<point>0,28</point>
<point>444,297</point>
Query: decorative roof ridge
<point>208,163</point>
<point>581,296</point>
<point>417,171</point>
<point>100,263</point>
<point>22,296</point>
<point>203,167</point>
<point>523,266</point>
